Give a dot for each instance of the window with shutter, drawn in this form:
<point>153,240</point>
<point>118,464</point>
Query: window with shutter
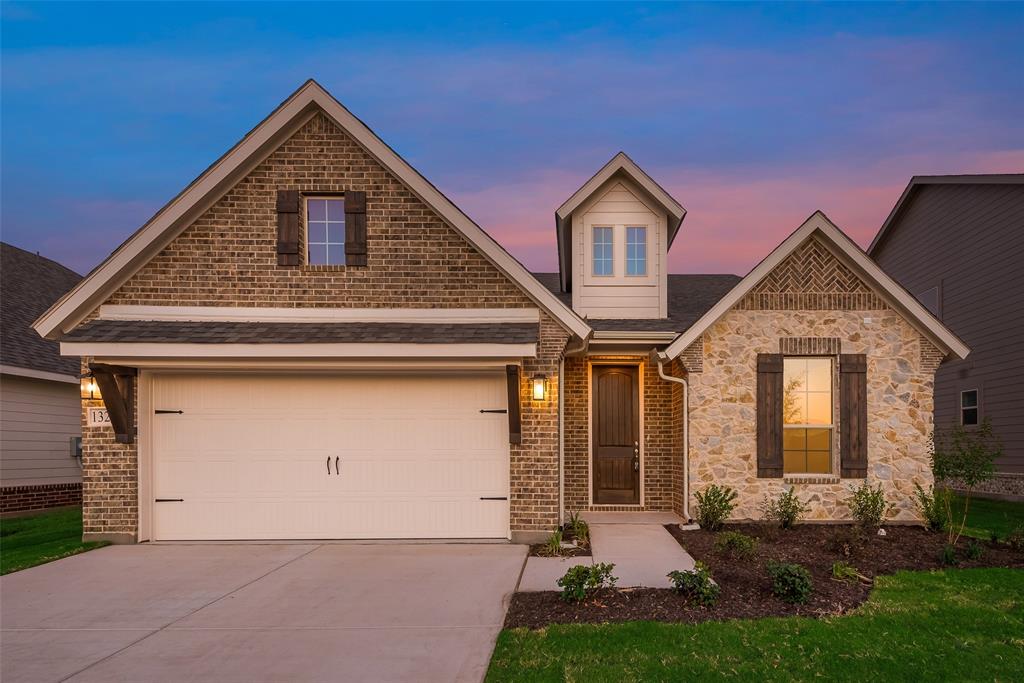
<point>288,227</point>
<point>325,231</point>
<point>853,415</point>
<point>807,410</point>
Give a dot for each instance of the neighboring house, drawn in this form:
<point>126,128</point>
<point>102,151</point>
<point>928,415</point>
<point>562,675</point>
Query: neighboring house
<point>311,341</point>
<point>40,400</point>
<point>957,243</point>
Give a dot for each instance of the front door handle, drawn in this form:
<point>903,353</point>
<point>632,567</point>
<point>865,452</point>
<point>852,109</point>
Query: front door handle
<point>636,463</point>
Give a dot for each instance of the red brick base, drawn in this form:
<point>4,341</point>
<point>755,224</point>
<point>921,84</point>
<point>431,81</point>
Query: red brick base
<point>39,497</point>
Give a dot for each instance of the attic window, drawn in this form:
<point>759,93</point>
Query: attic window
<point>636,250</point>
<point>325,231</point>
<point>603,251</point>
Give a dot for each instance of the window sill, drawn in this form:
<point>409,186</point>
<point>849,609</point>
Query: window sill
<point>321,269</point>
<point>811,479</point>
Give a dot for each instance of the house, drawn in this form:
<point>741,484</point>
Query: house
<point>311,341</point>
<point>956,243</point>
<point>40,408</point>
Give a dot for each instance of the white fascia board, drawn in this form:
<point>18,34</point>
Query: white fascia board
<point>350,365</point>
<point>358,350</point>
<point>621,162</point>
<point>319,315</point>
<point>614,336</point>
<point>131,255</point>
<point>38,374</point>
<point>916,314</point>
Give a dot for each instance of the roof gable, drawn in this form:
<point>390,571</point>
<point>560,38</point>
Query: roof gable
<point>855,264</point>
<point>238,162</point>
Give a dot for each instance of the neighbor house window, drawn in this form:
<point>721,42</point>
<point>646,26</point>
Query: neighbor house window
<point>807,415</point>
<point>325,231</point>
<point>603,251</point>
<point>636,251</point>
<point>969,407</point>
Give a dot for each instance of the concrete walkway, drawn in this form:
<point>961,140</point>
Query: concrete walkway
<point>637,543</point>
<point>286,612</point>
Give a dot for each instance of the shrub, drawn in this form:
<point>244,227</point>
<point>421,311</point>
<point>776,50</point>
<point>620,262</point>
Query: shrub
<point>932,504</point>
<point>947,556</point>
<point>736,544</point>
<point>966,456</point>
<point>869,506</point>
<point>974,550</point>
<point>844,572</point>
<point>785,510</point>
<point>714,505</point>
<point>791,582</point>
<point>553,546</point>
<point>583,579</point>
<point>993,536</point>
<point>845,540</point>
<point>696,585</point>
<point>1015,539</point>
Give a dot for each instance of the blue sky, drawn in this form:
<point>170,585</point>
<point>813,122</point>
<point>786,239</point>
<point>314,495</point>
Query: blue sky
<point>753,116</point>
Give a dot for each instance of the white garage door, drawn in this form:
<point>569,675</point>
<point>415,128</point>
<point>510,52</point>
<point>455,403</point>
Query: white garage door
<point>283,457</point>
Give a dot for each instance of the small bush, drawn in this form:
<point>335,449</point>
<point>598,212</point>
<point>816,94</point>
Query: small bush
<point>736,544</point>
<point>583,579</point>
<point>993,536</point>
<point>791,582</point>
<point>1015,539</point>
<point>786,510</point>
<point>947,556</point>
<point>845,540</point>
<point>869,506</point>
<point>696,585</point>
<point>844,572</point>
<point>553,546</point>
<point>932,505</point>
<point>714,505</point>
<point>974,549</point>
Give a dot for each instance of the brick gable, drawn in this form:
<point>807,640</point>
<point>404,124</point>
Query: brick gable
<point>227,257</point>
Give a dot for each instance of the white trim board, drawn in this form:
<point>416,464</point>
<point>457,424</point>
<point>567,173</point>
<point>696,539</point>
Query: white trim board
<point>843,248</point>
<point>319,315</point>
<point>38,374</point>
<point>139,350</point>
<point>260,142</point>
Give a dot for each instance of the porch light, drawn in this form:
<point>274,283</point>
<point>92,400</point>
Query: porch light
<point>540,387</point>
<point>90,390</point>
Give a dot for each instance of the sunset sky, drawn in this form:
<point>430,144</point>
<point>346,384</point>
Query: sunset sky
<point>752,116</point>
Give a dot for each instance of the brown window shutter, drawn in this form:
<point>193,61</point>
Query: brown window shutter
<point>769,415</point>
<point>287,227</point>
<point>515,428</point>
<point>853,415</point>
<point>355,228</point>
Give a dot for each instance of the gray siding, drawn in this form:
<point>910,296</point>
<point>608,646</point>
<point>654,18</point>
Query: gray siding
<point>37,419</point>
<point>968,240</point>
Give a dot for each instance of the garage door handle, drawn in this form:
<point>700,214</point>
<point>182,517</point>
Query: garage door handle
<point>493,497</point>
<point>169,412</point>
<point>328,464</point>
<point>170,500</point>
<point>493,410</point>
<point>337,465</point>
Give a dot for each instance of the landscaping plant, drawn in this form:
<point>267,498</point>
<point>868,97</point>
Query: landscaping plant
<point>844,572</point>
<point>967,457</point>
<point>553,546</point>
<point>580,530</point>
<point>845,540</point>
<point>868,506</point>
<point>790,581</point>
<point>736,544</point>
<point>1015,539</point>
<point>714,505</point>
<point>947,555</point>
<point>583,579</point>
<point>974,549</point>
<point>696,584</point>
<point>786,510</point>
<point>933,505</point>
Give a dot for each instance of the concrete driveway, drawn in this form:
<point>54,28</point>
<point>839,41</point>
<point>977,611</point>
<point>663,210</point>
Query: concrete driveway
<point>331,612</point>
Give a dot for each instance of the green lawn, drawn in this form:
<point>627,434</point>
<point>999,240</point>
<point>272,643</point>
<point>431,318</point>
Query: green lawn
<point>28,541</point>
<point>951,625</point>
<point>985,516</point>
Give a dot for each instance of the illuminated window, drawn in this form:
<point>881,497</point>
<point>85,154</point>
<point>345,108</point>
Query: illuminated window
<point>807,415</point>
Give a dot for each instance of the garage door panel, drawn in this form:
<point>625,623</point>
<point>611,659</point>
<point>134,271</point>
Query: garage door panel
<point>249,455</point>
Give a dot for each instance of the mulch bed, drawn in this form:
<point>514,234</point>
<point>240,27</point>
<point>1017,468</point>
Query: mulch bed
<point>746,588</point>
<point>539,549</point>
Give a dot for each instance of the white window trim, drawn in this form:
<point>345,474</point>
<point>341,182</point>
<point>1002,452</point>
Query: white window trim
<point>593,251</point>
<point>328,244</point>
<point>646,259</point>
<point>976,407</point>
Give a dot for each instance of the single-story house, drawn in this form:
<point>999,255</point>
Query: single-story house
<point>40,408</point>
<point>311,341</point>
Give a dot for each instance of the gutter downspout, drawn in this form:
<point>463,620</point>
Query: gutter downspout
<point>686,434</point>
<point>584,345</point>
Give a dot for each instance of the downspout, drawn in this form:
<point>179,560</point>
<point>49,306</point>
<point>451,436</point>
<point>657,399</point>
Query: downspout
<point>686,435</point>
<point>584,345</point>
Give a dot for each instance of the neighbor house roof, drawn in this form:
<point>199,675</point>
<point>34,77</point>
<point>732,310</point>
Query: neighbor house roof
<point>844,248</point>
<point>689,297</point>
<point>920,180</point>
<point>29,284</point>
<point>181,211</point>
<point>619,165</point>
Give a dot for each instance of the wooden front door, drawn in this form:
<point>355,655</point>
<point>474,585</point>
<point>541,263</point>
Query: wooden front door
<point>616,435</point>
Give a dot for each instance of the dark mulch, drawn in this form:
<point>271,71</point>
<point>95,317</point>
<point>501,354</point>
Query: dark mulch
<point>746,588</point>
<point>538,550</point>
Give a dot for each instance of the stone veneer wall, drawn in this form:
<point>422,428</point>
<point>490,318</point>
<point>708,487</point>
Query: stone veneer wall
<point>662,433</point>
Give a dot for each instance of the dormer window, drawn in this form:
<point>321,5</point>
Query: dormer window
<point>636,250</point>
<point>604,251</point>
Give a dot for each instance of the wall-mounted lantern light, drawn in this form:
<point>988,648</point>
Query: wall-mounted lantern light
<point>540,387</point>
<point>90,390</point>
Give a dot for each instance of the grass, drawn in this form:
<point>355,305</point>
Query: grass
<point>948,625</point>
<point>29,541</point>
<point>985,516</point>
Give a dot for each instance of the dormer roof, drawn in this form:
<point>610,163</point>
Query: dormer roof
<point>620,165</point>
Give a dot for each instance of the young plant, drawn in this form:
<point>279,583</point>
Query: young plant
<point>844,572</point>
<point>1015,539</point>
<point>790,582</point>
<point>696,585</point>
<point>933,505</point>
<point>583,579</point>
<point>786,510</point>
<point>714,505</point>
<point>553,546</point>
<point>974,549</point>
<point>736,544</point>
<point>947,556</point>
<point>868,506</point>
<point>966,457</point>
<point>580,530</point>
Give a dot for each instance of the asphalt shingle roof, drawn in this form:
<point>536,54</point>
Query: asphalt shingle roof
<point>30,284</point>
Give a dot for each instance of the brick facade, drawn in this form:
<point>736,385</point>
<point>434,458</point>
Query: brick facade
<point>32,497</point>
